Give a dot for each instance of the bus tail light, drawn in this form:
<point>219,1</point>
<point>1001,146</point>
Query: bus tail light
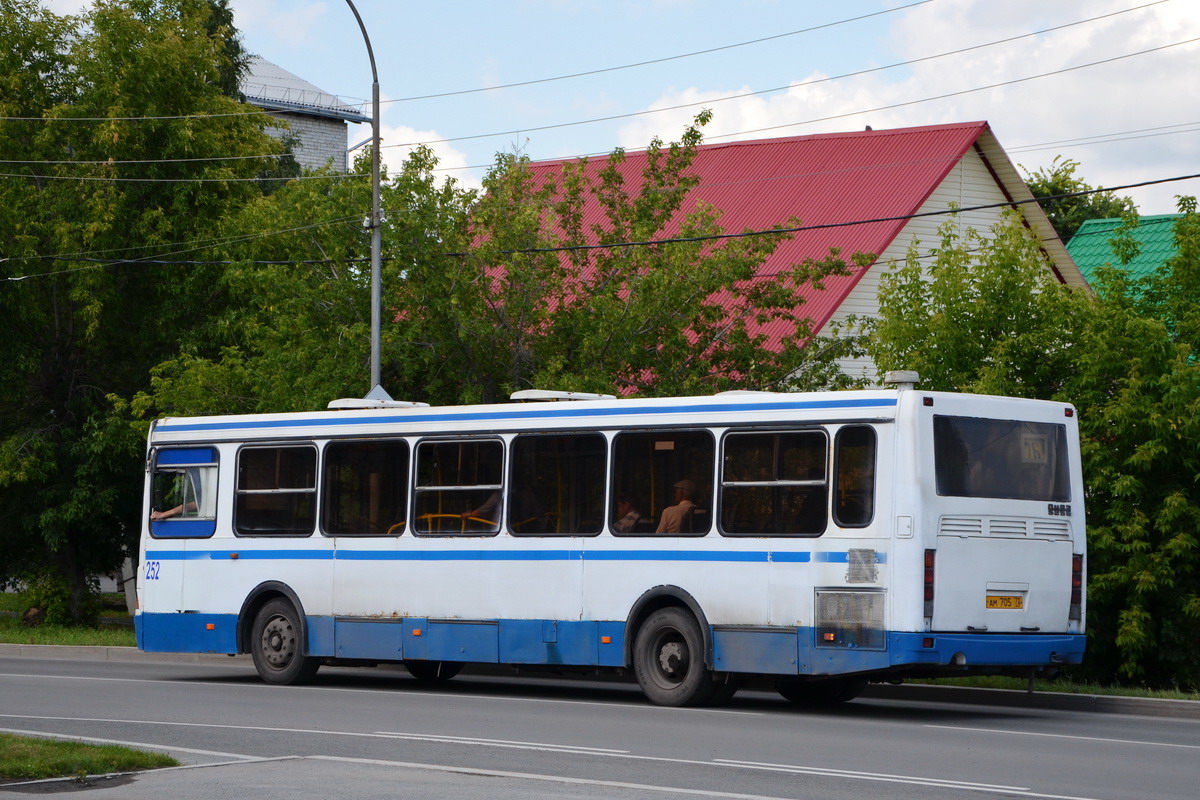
<point>929,560</point>
<point>1076,587</point>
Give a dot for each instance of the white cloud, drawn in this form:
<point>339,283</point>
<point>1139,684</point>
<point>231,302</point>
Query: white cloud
<point>1140,92</point>
<point>400,140</point>
<point>289,21</point>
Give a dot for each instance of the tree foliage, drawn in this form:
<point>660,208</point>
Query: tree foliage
<point>1068,213</point>
<point>984,318</point>
<point>99,109</point>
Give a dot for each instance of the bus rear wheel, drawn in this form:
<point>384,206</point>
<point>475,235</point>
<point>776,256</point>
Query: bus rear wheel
<point>820,692</point>
<point>275,643</point>
<point>433,671</point>
<point>668,660</point>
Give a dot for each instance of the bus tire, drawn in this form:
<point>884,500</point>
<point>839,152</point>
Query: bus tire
<point>277,645</point>
<point>432,671</point>
<point>668,660</point>
<point>820,692</point>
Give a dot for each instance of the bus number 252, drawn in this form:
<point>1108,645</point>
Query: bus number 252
<point>152,570</point>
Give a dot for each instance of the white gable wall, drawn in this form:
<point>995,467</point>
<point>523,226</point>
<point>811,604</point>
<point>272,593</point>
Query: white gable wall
<point>969,183</point>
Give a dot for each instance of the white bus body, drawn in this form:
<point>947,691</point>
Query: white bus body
<point>948,538</point>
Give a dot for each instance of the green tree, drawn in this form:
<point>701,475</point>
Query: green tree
<point>984,318</point>
<point>102,109</point>
<point>1068,213</point>
<point>532,302</point>
<point>482,300</point>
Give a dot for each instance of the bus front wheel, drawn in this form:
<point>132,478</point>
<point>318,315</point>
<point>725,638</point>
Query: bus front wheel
<point>668,660</point>
<point>275,643</point>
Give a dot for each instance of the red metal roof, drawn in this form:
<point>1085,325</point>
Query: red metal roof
<point>821,179</point>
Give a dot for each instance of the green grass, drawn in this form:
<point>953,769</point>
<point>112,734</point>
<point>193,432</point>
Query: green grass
<point>13,632</point>
<point>25,758</point>
<point>1063,686</point>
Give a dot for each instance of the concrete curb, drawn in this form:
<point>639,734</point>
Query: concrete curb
<point>1009,698</point>
<point>962,695</point>
<point>125,654</point>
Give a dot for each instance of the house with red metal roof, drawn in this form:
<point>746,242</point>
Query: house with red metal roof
<point>861,192</point>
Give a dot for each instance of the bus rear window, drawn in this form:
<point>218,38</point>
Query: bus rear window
<point>1001,458</point>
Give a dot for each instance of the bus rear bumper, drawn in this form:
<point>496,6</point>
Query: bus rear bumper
<point>973,650</point>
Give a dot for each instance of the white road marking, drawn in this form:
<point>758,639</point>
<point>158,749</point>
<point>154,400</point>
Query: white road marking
<point>553,748</point>
<point>1065,736</point>
<point>400,692</point>
<point>533,776</point>
<point>1020,791</point>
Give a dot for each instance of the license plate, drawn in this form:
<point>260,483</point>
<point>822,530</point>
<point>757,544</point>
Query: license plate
<point>1006,601</point>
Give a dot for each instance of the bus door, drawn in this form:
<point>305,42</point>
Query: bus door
<point>364,492</point>
<point>1005,533</point>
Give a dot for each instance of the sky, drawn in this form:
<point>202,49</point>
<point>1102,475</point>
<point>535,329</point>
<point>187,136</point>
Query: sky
<point>813,67</point>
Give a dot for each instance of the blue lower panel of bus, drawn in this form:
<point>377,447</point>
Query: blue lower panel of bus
<point>768,651</point>
<point>186,633</point>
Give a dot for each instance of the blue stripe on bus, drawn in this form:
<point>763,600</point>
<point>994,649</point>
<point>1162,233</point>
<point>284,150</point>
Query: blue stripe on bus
<point>186,457</point>
<point>574,411</point>
<point>754,556</point>
<point>835,557</point>
<point>226,555</point>
<point>183,528</point>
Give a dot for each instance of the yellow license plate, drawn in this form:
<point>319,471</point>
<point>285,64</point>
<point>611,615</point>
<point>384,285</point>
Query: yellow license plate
<point>1006,601</point>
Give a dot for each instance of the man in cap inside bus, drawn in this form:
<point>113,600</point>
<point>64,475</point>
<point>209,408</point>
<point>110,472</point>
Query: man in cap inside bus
<point>678,517</point>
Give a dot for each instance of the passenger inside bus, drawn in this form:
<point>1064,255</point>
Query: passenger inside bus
<point>678,518</point>
<point>629,518</point>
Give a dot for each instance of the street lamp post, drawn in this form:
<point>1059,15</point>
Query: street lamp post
<point>376,231</point>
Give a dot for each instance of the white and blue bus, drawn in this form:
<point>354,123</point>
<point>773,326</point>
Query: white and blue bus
<point>822,540</point>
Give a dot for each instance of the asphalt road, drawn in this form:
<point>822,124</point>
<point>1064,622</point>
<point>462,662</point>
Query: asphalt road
<point>376,733</point>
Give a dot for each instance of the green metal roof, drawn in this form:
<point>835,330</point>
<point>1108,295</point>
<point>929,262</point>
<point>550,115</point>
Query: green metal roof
<point>1090,248</point>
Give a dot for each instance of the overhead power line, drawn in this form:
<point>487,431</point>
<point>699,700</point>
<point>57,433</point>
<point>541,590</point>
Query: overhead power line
<point>157,260</point>
<point>648,62</point>
<point>611,117</point>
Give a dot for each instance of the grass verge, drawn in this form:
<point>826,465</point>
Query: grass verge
<point>1062,686</point>
<point>25,758</point>
<point>13,632</point>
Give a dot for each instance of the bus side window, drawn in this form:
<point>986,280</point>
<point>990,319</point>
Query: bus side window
<point>774,483</point>
<point>276,491</point>
<point>557,484</point>
<point>854,479</point>
<point>646,469</point>
<point>365,488</point>
<point>183,492</point>
<point>458,488</point>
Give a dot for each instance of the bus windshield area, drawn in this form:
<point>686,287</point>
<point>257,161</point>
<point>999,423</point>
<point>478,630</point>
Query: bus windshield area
<point>1002,459</point>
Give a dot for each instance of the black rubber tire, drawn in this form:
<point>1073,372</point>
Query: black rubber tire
<point>821,691</point>
<point>276,643</point>
<point>668,660</point>
<point>433,671</point>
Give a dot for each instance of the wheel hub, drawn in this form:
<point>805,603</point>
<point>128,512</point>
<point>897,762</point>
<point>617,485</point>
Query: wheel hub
<point>278,642</point>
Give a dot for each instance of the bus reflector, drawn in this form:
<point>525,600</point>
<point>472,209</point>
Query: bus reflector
<point>605,640</point>
<point>210,627</point>
<point>416,631</point>
<point>233,556</point>
<point>1076,586</point>
<point>927,643</point>
<point>929,563</point>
